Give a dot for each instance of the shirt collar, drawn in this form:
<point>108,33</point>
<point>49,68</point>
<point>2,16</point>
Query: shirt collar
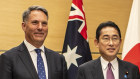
<point>104,63</point>
<point>30,47</point>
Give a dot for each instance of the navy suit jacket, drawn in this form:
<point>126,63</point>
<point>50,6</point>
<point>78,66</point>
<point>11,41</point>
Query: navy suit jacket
<point>16,63</point>
<point>93,70</point>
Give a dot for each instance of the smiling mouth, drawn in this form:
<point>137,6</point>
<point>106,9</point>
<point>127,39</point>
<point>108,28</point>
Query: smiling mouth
<point>111,49</point>
<point>39,34</point>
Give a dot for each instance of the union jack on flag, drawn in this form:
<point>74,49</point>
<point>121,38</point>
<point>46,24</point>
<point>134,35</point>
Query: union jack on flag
<point>76,47</point>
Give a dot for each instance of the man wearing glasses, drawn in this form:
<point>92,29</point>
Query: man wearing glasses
<point>108,66</point>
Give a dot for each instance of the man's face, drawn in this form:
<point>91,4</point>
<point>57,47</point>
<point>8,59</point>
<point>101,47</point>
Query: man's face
<point>109,42</point>
<point>36,27</point>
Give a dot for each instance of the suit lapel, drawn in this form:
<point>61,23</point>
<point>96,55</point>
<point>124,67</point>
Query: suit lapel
<point>26,59</point>
<point>48,58</point>
<point>98,69</point>
<point>122,69</point>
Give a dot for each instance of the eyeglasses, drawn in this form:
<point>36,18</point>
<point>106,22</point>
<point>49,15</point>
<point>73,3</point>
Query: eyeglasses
<point>108,39</point>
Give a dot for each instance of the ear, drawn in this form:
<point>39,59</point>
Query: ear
<point>96,42</point>
<point>23,26</point>
<point>120,41</point>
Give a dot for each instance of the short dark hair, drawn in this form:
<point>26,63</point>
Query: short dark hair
<point>26,13</point>
<point>107,24</point>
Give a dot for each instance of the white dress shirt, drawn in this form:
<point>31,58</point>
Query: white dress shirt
<point>114,67</point>
<point>33,55</point>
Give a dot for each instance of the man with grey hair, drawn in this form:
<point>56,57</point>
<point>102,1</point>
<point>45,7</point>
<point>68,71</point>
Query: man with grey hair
<point>31,59</point>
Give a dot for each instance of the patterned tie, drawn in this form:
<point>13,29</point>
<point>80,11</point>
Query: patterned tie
<point>110,74</point>
<point>40,65</point>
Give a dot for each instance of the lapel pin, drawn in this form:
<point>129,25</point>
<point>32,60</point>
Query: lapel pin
<point>126,75</point>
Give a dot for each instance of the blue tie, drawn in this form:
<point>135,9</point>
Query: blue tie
<point>40,65</point>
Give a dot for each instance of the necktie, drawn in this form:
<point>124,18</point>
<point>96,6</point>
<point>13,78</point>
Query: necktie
<point>40,65</point>
<point>110,74</point>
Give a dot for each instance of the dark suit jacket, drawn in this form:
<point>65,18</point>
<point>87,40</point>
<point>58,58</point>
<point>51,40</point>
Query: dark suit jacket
<point>16,63</point>
<point>93,70</point>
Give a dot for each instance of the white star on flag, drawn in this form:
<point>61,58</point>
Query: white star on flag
<point>71,56</point>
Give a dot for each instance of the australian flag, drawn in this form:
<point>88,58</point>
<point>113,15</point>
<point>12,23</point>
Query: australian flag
<point>76,47</point>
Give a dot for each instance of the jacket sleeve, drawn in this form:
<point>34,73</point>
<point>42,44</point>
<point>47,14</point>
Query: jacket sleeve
<point>137,73</point>
<point>65,76</point>
<point>80,74</point>
<point>5,67</point>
